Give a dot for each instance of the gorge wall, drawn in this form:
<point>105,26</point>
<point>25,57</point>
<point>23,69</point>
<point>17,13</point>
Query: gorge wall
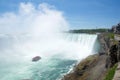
<point>95,67</point>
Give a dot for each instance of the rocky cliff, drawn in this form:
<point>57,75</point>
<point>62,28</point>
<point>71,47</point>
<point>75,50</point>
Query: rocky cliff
<point>95,67</point>
<point>91,68</point>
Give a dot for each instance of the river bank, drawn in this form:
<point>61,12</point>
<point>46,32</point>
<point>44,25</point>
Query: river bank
<point>99,66</point>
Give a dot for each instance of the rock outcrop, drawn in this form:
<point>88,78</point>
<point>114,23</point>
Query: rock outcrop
<point>110,47</point>
<point>104,43</point>
<point>114,54</point>
<point>91,68</point>
<point>96,66</point>
<point>118,52</point>
<point>116,28</point>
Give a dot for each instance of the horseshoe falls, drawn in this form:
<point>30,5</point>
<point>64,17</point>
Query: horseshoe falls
<point>58,55</point>
<point>38,31</point>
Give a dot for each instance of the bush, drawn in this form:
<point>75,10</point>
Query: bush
<point>111,35</point>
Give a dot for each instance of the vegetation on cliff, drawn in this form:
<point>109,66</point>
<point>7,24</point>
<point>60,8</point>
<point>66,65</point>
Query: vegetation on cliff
<point>100,66</point>
<point>111,72</point>
<point>90,31</point>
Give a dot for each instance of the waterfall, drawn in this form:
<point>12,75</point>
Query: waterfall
<point>87,40</point>
<point>84,44</point>
<point>36,31</point>
<point>58,54</point>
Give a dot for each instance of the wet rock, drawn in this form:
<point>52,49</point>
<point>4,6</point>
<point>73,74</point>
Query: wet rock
<point>36,58</point>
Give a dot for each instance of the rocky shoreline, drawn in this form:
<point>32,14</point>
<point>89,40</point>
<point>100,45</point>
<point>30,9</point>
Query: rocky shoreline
<point>95,67</point>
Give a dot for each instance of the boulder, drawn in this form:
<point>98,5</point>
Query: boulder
<point>36,58</point>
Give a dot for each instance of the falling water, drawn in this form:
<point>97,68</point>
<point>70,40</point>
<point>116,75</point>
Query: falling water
<point>37,31</point>
<point>58,55</point>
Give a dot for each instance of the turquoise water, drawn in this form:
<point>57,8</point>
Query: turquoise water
<point>52,69</point>
<point>58,56</point>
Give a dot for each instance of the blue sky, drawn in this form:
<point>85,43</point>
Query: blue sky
<point>79,13</point>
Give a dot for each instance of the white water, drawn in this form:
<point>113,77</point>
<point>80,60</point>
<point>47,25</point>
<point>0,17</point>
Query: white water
<point>58,55</point>
<point>37,32</point>
<point>83,44</point>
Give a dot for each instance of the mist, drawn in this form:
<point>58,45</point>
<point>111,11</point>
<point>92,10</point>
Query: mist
<point>39,31</point>
<point>31,30</point>
<point>33,20</point>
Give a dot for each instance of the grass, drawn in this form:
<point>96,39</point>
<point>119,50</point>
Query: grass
<point>111,35</point>
<point>111,72</point>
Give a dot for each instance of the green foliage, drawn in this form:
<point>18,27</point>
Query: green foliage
<point>90,31</point>
<point>111,35</point>
<point>111,72</point>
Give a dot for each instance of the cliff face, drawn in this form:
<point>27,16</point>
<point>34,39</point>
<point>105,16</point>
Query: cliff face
<point>110,45</point>
<point>95,67</point>
<point>104,43</point>
<point>91,68</point>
